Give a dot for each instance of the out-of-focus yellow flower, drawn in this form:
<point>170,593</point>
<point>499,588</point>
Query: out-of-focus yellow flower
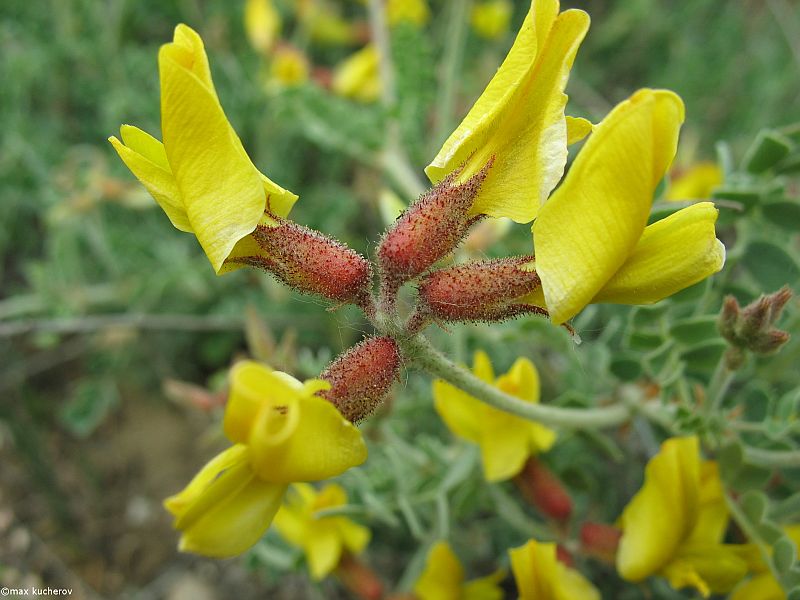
<point>506,441</point>
<point>540,576</point>
<point>762,585</point>
<point>324,24</point>
<point>323,539</point>
<point>262,22</point>
<point>490,19</point>
<point>415,12</point>
<point>675,524</point>
<point>358,76</point>
<point>289,67</point>
<point>282,433</point>
<point>201,175</point>
<point>695,183</point>
<point>444,579</point>
<point>519,119</point>
<point>591,238</point>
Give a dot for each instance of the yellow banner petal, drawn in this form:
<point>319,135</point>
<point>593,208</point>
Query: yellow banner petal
<point>577,129</point>
<point>662,514</point>
<point>519,119</point>
<point>222,191</point>
<point>461,412</point>
<point>540,576</point>
<point>672,254</point>
<point>591,224</point>
<point>443,576</point>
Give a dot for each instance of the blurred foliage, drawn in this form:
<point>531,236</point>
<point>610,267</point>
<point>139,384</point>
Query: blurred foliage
<point>81,240</point>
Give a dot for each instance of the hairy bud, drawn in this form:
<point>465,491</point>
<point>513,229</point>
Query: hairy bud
<point>430,228</point>
<point>361,377</point>
<point>600,540</point>
<point>751,328</point>
<point>311,262</point>
<point>544,490</point>
<point>478,291</point>
<point>357,577</point>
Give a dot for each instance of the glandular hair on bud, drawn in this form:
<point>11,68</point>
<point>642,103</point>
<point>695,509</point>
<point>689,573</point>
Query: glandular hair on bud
<point>430,228</point>
<point>311,262</point>
<point>478,291</point>
<point>361,377</point>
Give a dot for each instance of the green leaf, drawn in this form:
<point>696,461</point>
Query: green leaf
<point>770,265</point>
<point>783,213</point>
<point>748,197</point>
<point>626,367</point>
<point>639,340</point>
<point>784,554</point>
<point>730,458</point>
<point>770,532</point>
<point>704,357</point>
<point>754,505</point>
<point>769,148</point>
<point>751,477</point>
<point>694,330</point>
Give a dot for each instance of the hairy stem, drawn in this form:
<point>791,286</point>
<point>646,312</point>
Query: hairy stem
<point>418,349</point>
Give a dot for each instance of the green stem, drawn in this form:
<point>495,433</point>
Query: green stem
<point>453,54</point>
<point>419,350</point>
<point>778,459</point>
<point>718,386</point>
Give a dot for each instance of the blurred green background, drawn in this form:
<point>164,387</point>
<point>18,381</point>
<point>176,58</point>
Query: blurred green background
<point>114,332</point>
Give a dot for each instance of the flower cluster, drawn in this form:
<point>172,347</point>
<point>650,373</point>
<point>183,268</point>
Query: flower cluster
<point>591,243</point>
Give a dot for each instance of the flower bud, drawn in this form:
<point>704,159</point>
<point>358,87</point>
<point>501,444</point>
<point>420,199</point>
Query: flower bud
<point>478,291</point>
<point>751,328</point>
<point>600,540</point>
<point>311,262</point>
<point>362,376</point>
<point>359,579</point>
<point>544,490</point>
<point>430,228</point>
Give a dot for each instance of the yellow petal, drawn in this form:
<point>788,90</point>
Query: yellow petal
<point>484,588</point>
<point>415,12</point>
<point>223,192</point>
<point>712,517</point>
<point>443,575</point>
<point>262,23</point>
<point>482,367</point>
<point>540,576</point>
<point>710,568</point>
<point>519,118</point>
<point>253,385</point>
<point>460,411</point>
<point>522,381</point>
<point>490,19</point>
<point>672,254</point>
<point>587,230</point>
<point>354,536</point>
<point>295,520</point>
<point>696,183</point>
<point>505,445</point>
<point>762,587</point>
<point>320,444</point>
<point>225,509</point>
<point>357,77</point>
<point>323,551</point>
<point>577,129</point>
<point>145,157</point>
<point>663,512</point>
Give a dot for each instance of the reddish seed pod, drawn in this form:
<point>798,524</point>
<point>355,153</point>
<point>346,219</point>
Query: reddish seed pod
<point>600,540</point>
<point>544,490</point>
<point>478,291</point>
<point>361,377</point>
<point>311,262</point>
<point>430,228</point>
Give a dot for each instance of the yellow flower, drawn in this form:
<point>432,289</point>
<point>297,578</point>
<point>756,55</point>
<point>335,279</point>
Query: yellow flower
<point>506,441</point>
<point>415,12</point>
<point>200,176</point>
<point>282,433</point>
<point>762,585</point>
<point>519,119</point>
<point>323,539</point>
<point>324,23</point>
<point>591,238</point>
<point>358,76</point>
<point>490,19</point>
<point>695,183</point>
<point>540,576</point>
<point>262,23</point>
<point>674,525</point>
<point>289,67</point>
<point>443,579</point>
